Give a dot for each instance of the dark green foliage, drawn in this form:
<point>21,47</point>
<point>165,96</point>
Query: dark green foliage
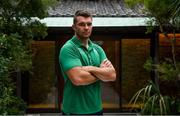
<point>160,12</point>
<point>17,29</point>
<point>166,15</point>
<point>155,102</point>
<point>50,3</point>
<point>166,69</point>
<point>14,52</point>
<point>10,104</point>
<point>22,8</point>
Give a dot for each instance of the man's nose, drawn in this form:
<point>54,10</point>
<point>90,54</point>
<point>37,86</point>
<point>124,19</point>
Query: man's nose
<point>86,26</point>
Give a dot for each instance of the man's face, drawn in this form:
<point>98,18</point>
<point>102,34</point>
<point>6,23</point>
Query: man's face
<point>83,27</point>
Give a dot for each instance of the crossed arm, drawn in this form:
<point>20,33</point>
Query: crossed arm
<point>86,75</point>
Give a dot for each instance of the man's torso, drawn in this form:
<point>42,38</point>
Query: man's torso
<point>80,99</point>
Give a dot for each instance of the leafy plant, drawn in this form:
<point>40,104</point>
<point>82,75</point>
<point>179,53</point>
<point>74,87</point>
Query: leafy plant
<point>156,100</point>
<point>50,3</point>
<point>17,30</point>
<point>10,104</point>
<point>166,69</point>
<point>160,98</point>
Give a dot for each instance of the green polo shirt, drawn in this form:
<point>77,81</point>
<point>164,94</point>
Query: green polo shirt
<point>83,99</point>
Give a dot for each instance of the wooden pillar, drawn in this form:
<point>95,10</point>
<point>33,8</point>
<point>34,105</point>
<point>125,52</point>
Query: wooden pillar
<point>60,82</point>
<point>120,74</point>
<point>154,49</point>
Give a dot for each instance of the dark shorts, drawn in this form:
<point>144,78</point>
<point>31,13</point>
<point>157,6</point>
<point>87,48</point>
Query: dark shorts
<point>96,113</point>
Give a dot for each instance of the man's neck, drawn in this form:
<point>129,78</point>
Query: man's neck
<point>84,41</point>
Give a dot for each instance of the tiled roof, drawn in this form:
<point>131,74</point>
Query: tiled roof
<point>99,8</point>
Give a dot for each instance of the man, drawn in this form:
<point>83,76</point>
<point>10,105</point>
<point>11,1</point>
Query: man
<point>84,64</point>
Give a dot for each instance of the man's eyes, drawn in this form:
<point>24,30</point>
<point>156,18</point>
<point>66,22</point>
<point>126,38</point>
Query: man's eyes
<point>84,24</point>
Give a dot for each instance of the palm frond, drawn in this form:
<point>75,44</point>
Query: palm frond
<point>153,102</point>
<point>135,97</point>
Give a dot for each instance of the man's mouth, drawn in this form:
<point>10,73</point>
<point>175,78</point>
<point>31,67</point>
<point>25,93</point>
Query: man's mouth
<point>86,33</point>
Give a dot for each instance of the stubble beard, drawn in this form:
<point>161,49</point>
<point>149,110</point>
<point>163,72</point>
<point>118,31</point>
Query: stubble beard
<point>82,36</point>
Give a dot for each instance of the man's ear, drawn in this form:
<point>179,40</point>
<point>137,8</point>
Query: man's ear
<point>73,26</point>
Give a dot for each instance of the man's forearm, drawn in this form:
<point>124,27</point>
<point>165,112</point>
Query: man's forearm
<point>104,74</point>
<point>78,76</point>
<point>87,78</point>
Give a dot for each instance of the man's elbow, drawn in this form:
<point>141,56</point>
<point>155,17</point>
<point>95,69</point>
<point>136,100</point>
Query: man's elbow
<point>110,77</point>
<point>77,82</point>
<point>113,77</point>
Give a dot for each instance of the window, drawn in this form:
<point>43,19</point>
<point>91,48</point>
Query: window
<point>42,81</point>
<point>134,54</point>
<point>111,90</point>
<point>165,50</point>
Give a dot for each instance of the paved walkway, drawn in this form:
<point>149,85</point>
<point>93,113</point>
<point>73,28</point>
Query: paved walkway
<point>105,114</point>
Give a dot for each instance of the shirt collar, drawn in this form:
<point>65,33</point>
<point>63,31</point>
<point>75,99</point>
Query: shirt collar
<point>79,44</point>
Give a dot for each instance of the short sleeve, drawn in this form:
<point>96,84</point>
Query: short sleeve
<point>101,53</point>
<point>69,57</point>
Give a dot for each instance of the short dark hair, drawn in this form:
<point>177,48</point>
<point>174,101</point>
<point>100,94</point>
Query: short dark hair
<point>82,13</point>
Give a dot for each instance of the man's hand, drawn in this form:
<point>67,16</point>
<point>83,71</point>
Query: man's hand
<point>104,72</point>
<point>106,64</point>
